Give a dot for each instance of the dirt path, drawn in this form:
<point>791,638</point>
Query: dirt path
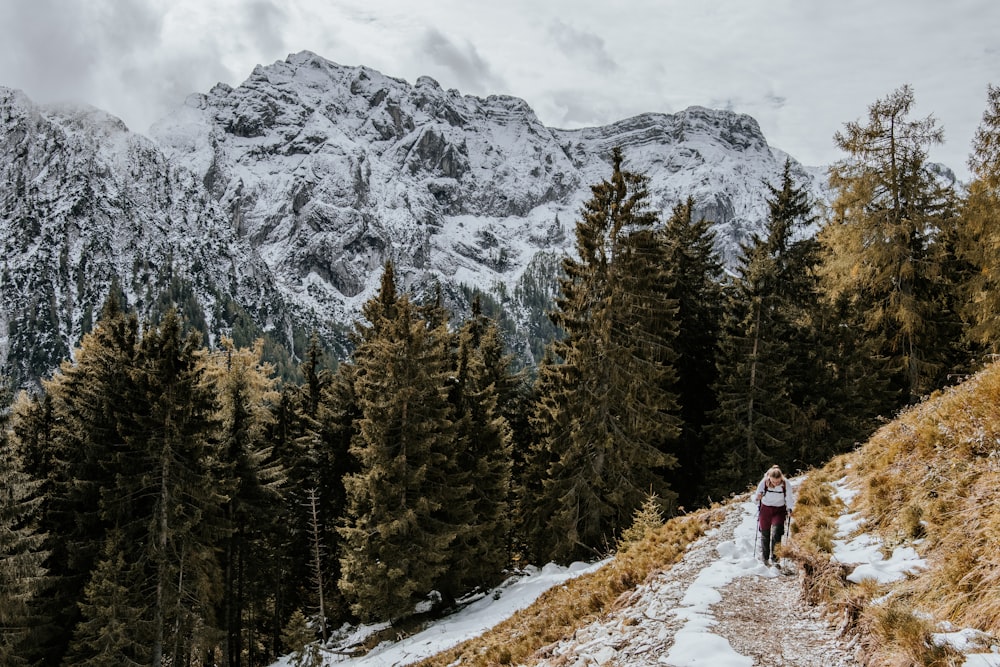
<point>717,607</point>
<point>801,638</point>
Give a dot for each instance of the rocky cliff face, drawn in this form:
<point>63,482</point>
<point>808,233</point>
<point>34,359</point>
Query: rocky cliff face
<point>84,203</point>
<point>282,199</point>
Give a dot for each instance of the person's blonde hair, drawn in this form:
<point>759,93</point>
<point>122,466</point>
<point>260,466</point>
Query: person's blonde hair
<point>775,473</point>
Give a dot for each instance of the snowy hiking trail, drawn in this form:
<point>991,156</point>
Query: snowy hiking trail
<point>718,607</point>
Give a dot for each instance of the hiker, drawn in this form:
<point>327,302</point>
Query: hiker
<point>775,500</point>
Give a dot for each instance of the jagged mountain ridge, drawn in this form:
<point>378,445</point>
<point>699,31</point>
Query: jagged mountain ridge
<point>286,194</point>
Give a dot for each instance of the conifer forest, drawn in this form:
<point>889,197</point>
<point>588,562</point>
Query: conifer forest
<point>167,503</point>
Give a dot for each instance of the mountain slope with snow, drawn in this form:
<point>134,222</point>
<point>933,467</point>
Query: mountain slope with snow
<point>85,204</point>
<point>284,197</point>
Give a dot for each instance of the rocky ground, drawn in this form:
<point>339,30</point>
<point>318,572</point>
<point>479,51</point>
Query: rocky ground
<point>717,607</point>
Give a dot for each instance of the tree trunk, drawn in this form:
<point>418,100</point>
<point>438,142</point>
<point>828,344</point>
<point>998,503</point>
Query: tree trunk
<point>317,561</point>
<point>161,574</point>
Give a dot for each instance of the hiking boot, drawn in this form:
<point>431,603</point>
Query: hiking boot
<point>765,544</point>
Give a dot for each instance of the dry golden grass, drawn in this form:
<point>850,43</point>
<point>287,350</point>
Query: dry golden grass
<point>930,479</point>
<point>561,610</point>
<point>896,635</point>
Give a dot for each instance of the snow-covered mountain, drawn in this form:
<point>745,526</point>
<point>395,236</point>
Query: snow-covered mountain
<point>84,203</point>
<point>278,201</point>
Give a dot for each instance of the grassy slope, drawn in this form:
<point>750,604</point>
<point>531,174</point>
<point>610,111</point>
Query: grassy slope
<point>561,610</point>
<point>931,479</point>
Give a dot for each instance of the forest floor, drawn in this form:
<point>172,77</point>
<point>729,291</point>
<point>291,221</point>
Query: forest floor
<point>719,606</point>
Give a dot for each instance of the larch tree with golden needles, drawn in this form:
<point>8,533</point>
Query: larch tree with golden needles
<point>880,242</point>
<point>979,239</point>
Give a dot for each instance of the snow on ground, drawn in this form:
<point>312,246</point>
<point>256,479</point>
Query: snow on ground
<point>513,595</point>
<point>695,643</point>
<point>718,606</point>
<point>865,550</point>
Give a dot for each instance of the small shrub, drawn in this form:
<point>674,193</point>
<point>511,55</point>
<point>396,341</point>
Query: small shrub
<point>911,522</point>
<point>645,520</point>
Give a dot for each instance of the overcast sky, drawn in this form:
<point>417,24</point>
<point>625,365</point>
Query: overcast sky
<point>801,68</point>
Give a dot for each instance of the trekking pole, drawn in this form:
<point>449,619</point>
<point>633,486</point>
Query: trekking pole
<point>756,530</point>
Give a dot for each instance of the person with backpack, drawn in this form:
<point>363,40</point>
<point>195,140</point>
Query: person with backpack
<point>775,500</point>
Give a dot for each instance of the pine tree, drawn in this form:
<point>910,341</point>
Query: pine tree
<point>751,427</point>
<point>795,295</point>
<point>22,575</point>
<point>299,638</point>
<point>605,415</point>
<point>396,537</point>
<point>480,551</point>
<point>698,292</point>
<point>70,440</point>
<point>167,500</point>
<point>287,586</point>
<point>880,244</point>
<point>312,435</point>
<point>338,414</point>
<point>979,229</point>
<point>107,633</point>
<point>120,442</point>
<point>768,365</point>
<point>546,418</point>
<point>646,519</point>
<point>251,480</point>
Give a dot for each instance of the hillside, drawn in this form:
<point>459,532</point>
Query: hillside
<point>926,483</point>
<point>894,552</point>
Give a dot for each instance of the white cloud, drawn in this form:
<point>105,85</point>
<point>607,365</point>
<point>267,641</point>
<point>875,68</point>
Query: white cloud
<point>471,72</point>
<point>801,69</point>
<point>586,46</point>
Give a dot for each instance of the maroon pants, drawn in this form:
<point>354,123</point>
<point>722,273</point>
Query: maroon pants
<point>770,516</point>
<point>771,523</point>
